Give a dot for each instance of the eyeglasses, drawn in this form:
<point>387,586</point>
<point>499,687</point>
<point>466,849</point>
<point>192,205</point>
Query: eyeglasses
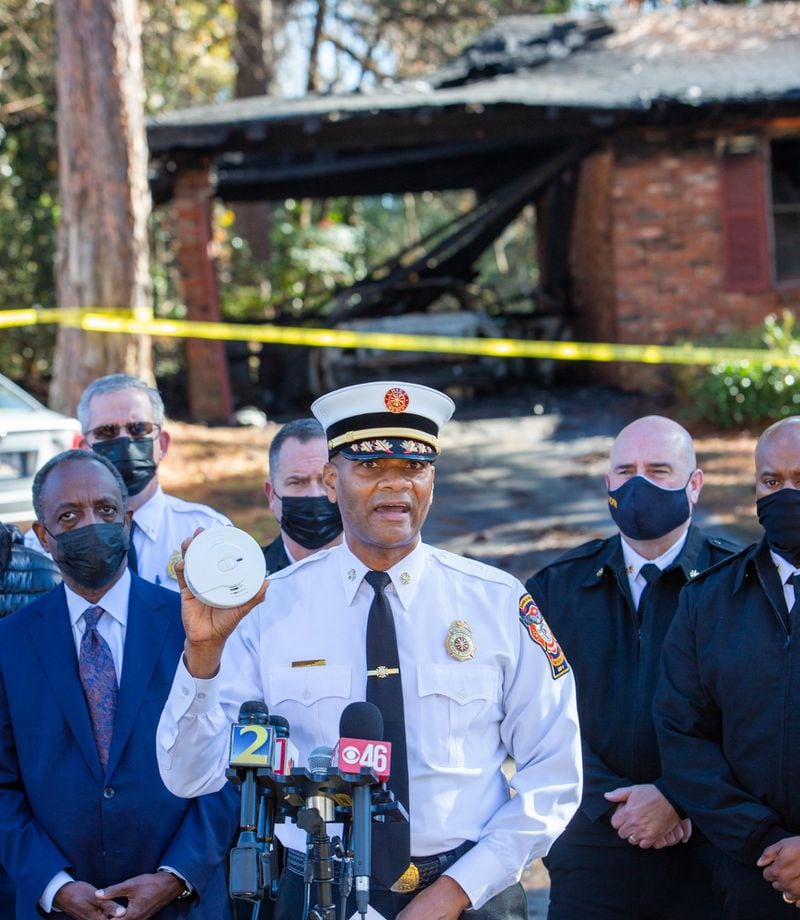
<point>134,429</point>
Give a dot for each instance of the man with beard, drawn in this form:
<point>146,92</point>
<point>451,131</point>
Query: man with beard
<point>727,708</point>
<point>84,672</point>
<point>454,654</point>
<point>296,494</point>
<point>122,418</point>
<point>610,603</point>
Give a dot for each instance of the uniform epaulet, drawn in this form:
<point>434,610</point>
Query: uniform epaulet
<point>722,543</point>
<point>578,552</point>
<point>181,506</point>
<point>472,567</point>
<point>300,564</point>
<point>723,563</point>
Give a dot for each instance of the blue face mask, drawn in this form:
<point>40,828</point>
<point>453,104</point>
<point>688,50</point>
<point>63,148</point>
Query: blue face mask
<point>644,511</point>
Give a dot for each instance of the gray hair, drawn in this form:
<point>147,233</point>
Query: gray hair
<point>68,456</point>
<point>113,383</point>
<point>302,429</point>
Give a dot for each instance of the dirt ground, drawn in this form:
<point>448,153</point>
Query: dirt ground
<point>519,481</point>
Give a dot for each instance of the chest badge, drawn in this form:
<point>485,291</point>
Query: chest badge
<point>459,642</point>
<point>174,559</point>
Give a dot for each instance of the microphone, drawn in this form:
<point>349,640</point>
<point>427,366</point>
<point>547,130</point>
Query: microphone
<point>251,750</point>
<point>360,726</point>
<point>284,752</point>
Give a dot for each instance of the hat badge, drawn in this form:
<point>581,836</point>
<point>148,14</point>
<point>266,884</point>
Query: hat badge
<point>396,399</point>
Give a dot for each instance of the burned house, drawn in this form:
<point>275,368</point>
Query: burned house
<point>661,150</point>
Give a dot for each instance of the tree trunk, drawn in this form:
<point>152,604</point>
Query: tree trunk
<point>254,54</point>
<point>102,258</point>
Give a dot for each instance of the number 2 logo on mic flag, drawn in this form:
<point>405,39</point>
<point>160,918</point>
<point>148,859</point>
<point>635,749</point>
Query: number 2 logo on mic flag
<point>251,746</point>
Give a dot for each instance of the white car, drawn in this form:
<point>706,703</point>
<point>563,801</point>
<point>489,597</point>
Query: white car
<point>30,434</point>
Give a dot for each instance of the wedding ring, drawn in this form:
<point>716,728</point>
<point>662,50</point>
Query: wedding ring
<point>786,898</point>
<point>632,840</point>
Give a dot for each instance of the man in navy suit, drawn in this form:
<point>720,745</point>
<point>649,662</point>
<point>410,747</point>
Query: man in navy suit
<point>87,827</point>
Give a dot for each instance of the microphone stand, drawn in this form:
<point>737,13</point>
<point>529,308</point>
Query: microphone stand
<point>320,866</point>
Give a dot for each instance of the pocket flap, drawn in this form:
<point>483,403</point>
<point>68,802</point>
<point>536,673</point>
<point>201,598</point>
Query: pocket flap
<point>462,683</point>
<point>308,685</point>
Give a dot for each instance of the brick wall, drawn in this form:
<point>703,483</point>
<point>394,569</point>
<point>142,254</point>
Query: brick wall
<point>647,250</point>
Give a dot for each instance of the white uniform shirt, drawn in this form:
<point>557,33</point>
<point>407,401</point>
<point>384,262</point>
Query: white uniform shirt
<point>162,524</point>
<point>462,717</point>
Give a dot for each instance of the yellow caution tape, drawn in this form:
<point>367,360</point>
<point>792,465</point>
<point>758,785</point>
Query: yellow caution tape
<point>122,321</point>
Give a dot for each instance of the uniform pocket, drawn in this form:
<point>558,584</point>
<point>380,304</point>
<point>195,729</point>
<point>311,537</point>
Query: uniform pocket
<point>455,700</point>
<point>312,699</point>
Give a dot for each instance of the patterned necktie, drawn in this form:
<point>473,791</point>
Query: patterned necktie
<point>391,841</point>
<point>99,681</point>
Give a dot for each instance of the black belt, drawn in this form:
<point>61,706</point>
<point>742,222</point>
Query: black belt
<point>422,872</point>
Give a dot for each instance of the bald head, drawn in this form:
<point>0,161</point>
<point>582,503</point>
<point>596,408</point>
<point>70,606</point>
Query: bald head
<point>655,447</point>
<point>778,457</point>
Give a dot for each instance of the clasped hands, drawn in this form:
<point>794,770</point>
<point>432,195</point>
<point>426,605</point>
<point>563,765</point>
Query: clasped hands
<point>645,818</point>
<point>146,895</point>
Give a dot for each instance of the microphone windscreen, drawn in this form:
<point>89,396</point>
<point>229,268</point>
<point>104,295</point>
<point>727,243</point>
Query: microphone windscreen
<point>361,720</point>
<point>253,711</point>
<point>280,725</point>
<point>320,759</point>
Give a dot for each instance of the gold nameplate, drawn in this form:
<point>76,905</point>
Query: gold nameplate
<point>310,663</point>
<point>383,671</point>
<point>408,881</point>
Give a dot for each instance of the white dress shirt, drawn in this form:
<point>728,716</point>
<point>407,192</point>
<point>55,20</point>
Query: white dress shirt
<point>462,717</point>
<point>162,524</point>
<point>785,572</point>
<point>634,564</point>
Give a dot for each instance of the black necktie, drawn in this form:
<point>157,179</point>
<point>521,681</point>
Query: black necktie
<point>391,841</point>
<point>794,610</point>
<point>133,561</point>
<point>650,572</point>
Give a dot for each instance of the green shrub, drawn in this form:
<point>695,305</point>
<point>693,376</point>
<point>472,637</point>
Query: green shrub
<point>738,393</point>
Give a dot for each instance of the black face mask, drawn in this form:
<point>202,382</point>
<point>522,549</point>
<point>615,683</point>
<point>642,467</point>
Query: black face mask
<point>133,457</point>
<point>310,520</point>
<point>644,511</point>
<point>91,555</point>
<point>779,515</point>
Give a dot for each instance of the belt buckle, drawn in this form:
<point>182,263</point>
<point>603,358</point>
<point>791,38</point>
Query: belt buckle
<point>408,881</point>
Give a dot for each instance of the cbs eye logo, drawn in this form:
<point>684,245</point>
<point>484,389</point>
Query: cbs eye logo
<point>351,755</point>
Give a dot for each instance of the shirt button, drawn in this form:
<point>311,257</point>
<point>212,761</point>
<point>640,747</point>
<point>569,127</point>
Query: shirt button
<point>108,792</point>
<point>201,696</point>
<point>185,691</point>
<point>306,694</point>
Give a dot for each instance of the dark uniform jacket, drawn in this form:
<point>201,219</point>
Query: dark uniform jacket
<point>614,651</point>
<point>275,556</point>
<point>24,573</point>
<point>727,708</point>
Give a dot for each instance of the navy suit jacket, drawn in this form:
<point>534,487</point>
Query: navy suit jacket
<point>58,810</point>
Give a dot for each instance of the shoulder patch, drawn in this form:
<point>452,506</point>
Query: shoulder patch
<point>536,626</point>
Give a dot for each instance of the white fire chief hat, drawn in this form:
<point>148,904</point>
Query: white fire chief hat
<point>385,418</point>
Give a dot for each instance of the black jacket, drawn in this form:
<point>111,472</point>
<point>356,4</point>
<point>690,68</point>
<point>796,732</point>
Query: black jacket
<point>275,555</point>
<point>727,709</point>
<point>614,652</point>
<point>24,573</point>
